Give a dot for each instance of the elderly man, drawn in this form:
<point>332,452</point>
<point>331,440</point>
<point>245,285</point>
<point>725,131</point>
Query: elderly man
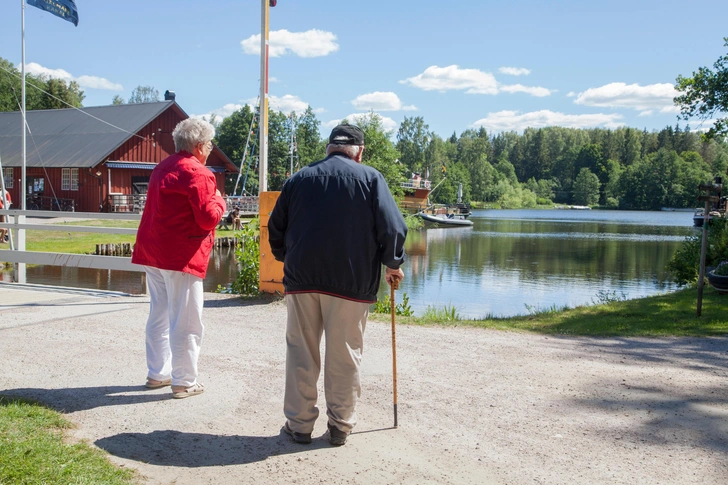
<point>173,243</point>
<point>334,225</point>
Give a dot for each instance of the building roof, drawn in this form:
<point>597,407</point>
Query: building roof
<point>72,137</point>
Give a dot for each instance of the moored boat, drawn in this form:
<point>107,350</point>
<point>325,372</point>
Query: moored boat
<point>445,220</point>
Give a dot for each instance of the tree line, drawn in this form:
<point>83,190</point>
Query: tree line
<point>623,168</point>
<point>617,168</point>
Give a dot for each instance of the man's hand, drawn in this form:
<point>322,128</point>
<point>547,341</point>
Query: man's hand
<point>393,274</point>
<point>217,192</point>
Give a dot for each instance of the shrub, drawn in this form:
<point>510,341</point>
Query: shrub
<point>414,222</point>
<point>248,256</point>
<point>385,306</point>
<point>721,269</point>
<point>685,263</point>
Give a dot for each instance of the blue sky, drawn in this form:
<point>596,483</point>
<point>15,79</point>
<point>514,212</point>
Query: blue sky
<point>459,65</point>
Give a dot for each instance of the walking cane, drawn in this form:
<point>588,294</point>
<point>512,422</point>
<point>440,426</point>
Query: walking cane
<point>394,286</point>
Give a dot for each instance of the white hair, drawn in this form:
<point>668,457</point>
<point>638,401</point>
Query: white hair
<point>188,133</point>
<point>351,151</point>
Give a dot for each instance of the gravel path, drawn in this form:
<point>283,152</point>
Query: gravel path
<point>475,406</point>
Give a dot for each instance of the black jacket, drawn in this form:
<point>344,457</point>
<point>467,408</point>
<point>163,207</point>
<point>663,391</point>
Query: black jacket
<point>334,225</point>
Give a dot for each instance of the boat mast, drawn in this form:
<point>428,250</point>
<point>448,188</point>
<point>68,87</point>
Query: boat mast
<point>245,153</point>
<point>292,146</point>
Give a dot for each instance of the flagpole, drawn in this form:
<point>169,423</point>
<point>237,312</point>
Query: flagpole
<point>20,273</point>
<point>263,119</point>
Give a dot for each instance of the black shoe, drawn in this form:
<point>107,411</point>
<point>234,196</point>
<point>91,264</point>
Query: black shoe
<point>303,438</point>
<point>336,436</point>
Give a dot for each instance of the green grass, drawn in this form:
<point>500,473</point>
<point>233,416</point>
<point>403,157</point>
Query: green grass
<point>672,314</point>
<point>32,450</point>
<point>83,242</point>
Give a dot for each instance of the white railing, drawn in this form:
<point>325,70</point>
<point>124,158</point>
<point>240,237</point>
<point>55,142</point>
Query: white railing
<point>65,259</point>
<point>415,184</point>
<point>244,203</point>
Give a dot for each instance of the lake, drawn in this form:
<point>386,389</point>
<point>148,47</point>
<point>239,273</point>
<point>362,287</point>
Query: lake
<point>509,262</point>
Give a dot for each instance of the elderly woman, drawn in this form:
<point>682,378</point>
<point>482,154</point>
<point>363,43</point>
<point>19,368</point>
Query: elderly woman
<point>173,244</point>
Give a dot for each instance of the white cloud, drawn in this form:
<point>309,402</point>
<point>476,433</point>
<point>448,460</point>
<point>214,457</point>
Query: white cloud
<point>219,113</point>
<point>515,71</point>
<point>473,81</point>
<point>95,82</point>
<point>436,78</point>
<point>537,91</point>
<point>571,94</point>
<point>387,123</point>
<point>90,82</point>
<point>515,121</point>
<point>286,104</point>
<point>646,99</point>
<point>312,43</point>
<point>380,101</point>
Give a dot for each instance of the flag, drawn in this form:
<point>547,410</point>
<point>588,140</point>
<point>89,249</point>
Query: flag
<point>66,9</point>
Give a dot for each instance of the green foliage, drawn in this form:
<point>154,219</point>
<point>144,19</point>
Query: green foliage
<point>514,197</point>
<point>385,306</point>
<point>144,94</point>
<point>663,179</point>
<point>379,151</point>
<point>448,313</point>
<point>412,141</point>
<point>413,221</point>
<point>248,256</point>
<point>721,269</point>
<point>685,263</point>
<point>32,450</point>
<point>705,95</point>
<point>538,311</point>
<point>60,93</point>
<point>605,296</point>
<point>586,188</point>
<point>671,314</point>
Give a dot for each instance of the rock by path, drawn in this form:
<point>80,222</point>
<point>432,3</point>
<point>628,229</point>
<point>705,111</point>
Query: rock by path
<point>475,406</point>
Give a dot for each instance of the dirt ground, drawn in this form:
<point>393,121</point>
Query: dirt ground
<point>475,406</point>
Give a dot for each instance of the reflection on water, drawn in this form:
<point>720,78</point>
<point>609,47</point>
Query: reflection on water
<point>506,266</point>
<point>507,262</point>
<point>221,270</point>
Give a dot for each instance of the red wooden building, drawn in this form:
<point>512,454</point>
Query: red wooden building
<point>93,159</point>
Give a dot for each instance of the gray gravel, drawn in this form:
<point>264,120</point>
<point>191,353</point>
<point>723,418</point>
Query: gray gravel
<point>475,406</point>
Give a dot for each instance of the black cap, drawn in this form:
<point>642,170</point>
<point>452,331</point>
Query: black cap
<point>346,135</point>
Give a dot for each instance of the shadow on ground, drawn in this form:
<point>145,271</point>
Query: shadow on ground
<point>241,301</point>
<point>74,399</point>
<point>667,415</point>
<point>194,450</point>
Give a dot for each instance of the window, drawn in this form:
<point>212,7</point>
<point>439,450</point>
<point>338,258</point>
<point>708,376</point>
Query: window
<point>74,179</point>
<point>69,179</point>
<point>8,176</point>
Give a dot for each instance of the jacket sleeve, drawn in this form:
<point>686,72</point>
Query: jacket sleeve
<point>277,225</point>
<point>391,229</point>
<point>207,207</point>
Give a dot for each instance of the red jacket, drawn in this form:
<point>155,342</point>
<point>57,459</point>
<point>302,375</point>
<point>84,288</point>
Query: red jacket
<point>182,210</point>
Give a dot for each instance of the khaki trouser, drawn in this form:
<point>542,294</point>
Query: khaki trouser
<point>343,321</point>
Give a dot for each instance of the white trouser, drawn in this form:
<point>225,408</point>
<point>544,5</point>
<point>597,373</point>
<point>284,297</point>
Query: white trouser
<point>344,322</point>
<point>174,327</point>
